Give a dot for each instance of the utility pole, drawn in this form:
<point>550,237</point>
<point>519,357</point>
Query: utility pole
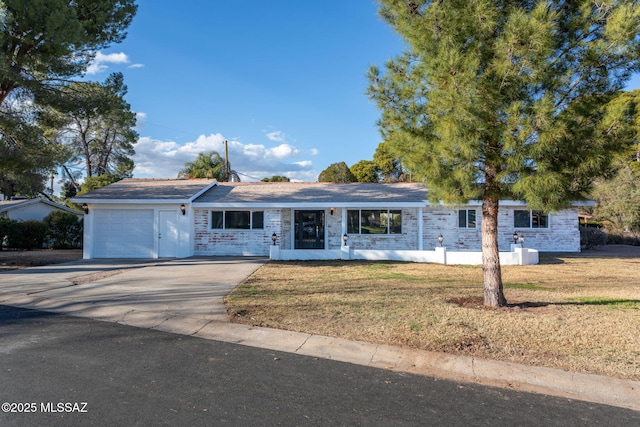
<point>52,176</point>
<point>226,161</point>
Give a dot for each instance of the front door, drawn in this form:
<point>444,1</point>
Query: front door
<point>168,234</point>
<point>309,230</point>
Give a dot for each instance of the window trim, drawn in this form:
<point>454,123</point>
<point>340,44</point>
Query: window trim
<point>224,219</point>
<point>531,215</point>
<point>381,211</point>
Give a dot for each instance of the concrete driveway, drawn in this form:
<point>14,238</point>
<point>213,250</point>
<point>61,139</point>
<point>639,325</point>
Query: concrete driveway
<point>116,289</point>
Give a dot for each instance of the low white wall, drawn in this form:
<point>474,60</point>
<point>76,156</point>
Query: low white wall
<point>521,256</point>
<point>277,254</point>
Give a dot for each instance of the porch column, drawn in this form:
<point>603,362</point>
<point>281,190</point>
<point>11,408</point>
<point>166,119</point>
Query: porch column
<point>344,224</point>
<point>292,234</point>
<point>420,229</point>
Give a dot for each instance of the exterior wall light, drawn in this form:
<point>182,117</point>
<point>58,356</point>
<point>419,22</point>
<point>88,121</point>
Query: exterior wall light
<point>331,210</point>
<point>440,240</point>
<point>85,208</point>
<point>274,237</point>
<point>345,238</point>
<point>521,240</point>
<point>515,238</point>
<point>183,209</point>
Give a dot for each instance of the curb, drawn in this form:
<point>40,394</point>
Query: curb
<point>535,379</point>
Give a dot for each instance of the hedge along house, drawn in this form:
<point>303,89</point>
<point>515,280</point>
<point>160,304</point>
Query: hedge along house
<point>156,218</point>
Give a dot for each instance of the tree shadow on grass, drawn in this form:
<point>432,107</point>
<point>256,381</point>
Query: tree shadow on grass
<point>478,302</point>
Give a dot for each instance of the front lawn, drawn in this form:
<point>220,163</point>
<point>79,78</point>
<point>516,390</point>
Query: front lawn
<point>569,312</point>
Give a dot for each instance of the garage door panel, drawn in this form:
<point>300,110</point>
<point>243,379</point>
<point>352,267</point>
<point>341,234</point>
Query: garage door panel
<point>123,233</point>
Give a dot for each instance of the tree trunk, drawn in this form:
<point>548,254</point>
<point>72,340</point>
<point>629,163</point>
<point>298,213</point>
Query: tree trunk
<point>3,94</point>
<point>492,274</point>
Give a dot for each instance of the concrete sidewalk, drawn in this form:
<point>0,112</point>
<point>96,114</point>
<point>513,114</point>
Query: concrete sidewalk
<point>186,297</point>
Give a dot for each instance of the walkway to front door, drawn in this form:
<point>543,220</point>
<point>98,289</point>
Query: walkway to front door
<point>309,230</point>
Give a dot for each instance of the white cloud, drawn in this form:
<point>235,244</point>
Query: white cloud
<point>277,136</point>
<point>163,159</point>
<point>136,66</point>
<point>141,121</point>
<point>99,63</point>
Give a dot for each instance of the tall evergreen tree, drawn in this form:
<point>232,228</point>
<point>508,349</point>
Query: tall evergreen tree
<point>45,42</point>
<point>43,45</point>
<point>95,124</point>
<point>507,99</point>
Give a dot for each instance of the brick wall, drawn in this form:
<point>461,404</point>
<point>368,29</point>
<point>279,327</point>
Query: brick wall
<point>234,242</point>
<point>561,236</point>
<point>407,240</point>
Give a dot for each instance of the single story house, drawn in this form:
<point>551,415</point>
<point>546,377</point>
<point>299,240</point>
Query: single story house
<point>157,218</point>
<point>23,209</point>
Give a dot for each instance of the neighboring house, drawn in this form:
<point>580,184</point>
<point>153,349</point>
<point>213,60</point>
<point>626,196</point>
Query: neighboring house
<point>151,218</point>
<point>32,209</point>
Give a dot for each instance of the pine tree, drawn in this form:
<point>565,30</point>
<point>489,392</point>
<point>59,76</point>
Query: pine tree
<point>507,99</point>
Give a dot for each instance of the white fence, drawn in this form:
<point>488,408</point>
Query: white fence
<point>518,256</point>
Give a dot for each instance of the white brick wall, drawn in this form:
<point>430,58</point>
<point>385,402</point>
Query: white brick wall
<point>234,242</point>
<point>562,235</point>
<point>408,240</point>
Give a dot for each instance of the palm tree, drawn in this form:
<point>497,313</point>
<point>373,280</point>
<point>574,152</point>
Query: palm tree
<point>209,165</point>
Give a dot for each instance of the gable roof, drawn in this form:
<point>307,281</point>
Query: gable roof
<point>8,205</point>
<point>228,194</point>
<point>147,190</point>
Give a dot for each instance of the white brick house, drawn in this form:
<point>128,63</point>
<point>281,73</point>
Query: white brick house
<point>151,218</point>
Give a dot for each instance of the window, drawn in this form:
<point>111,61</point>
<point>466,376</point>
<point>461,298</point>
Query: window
<point>374,222</point>
<point>216,219</point>
<point>530,219</point>
<point>257,220</point>
<point>467,218</point>
<point>237,220</point>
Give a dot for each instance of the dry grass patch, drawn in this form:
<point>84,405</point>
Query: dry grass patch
<point>573,313</point>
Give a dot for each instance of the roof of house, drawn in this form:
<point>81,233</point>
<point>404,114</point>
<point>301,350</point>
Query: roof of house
<point>148,189</point>
<point>7,205</point>
<point>327,193</point>
<point>210,193</point>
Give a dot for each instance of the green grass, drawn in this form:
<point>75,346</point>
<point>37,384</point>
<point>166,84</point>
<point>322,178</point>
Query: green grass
<point>529,286</point>
<point>609,302</point>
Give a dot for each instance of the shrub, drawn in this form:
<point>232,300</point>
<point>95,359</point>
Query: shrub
<point>590,237</point>
<point>6,225</point>
<point>623,238</point>
<point>26,235</point>
<point>64,229</point>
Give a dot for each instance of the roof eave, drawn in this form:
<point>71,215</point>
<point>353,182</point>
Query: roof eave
<point>322,205</point>
<point>131,201</point>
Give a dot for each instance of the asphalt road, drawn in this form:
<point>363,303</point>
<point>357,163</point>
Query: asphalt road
<point>73,371</point>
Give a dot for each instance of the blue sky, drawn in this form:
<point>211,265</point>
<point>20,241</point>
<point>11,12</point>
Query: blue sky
<point>283,81</point>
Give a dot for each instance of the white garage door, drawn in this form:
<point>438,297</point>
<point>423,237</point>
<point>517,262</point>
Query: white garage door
<point>123,233</point>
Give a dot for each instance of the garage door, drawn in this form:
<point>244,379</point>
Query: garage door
<point>123,233</point>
